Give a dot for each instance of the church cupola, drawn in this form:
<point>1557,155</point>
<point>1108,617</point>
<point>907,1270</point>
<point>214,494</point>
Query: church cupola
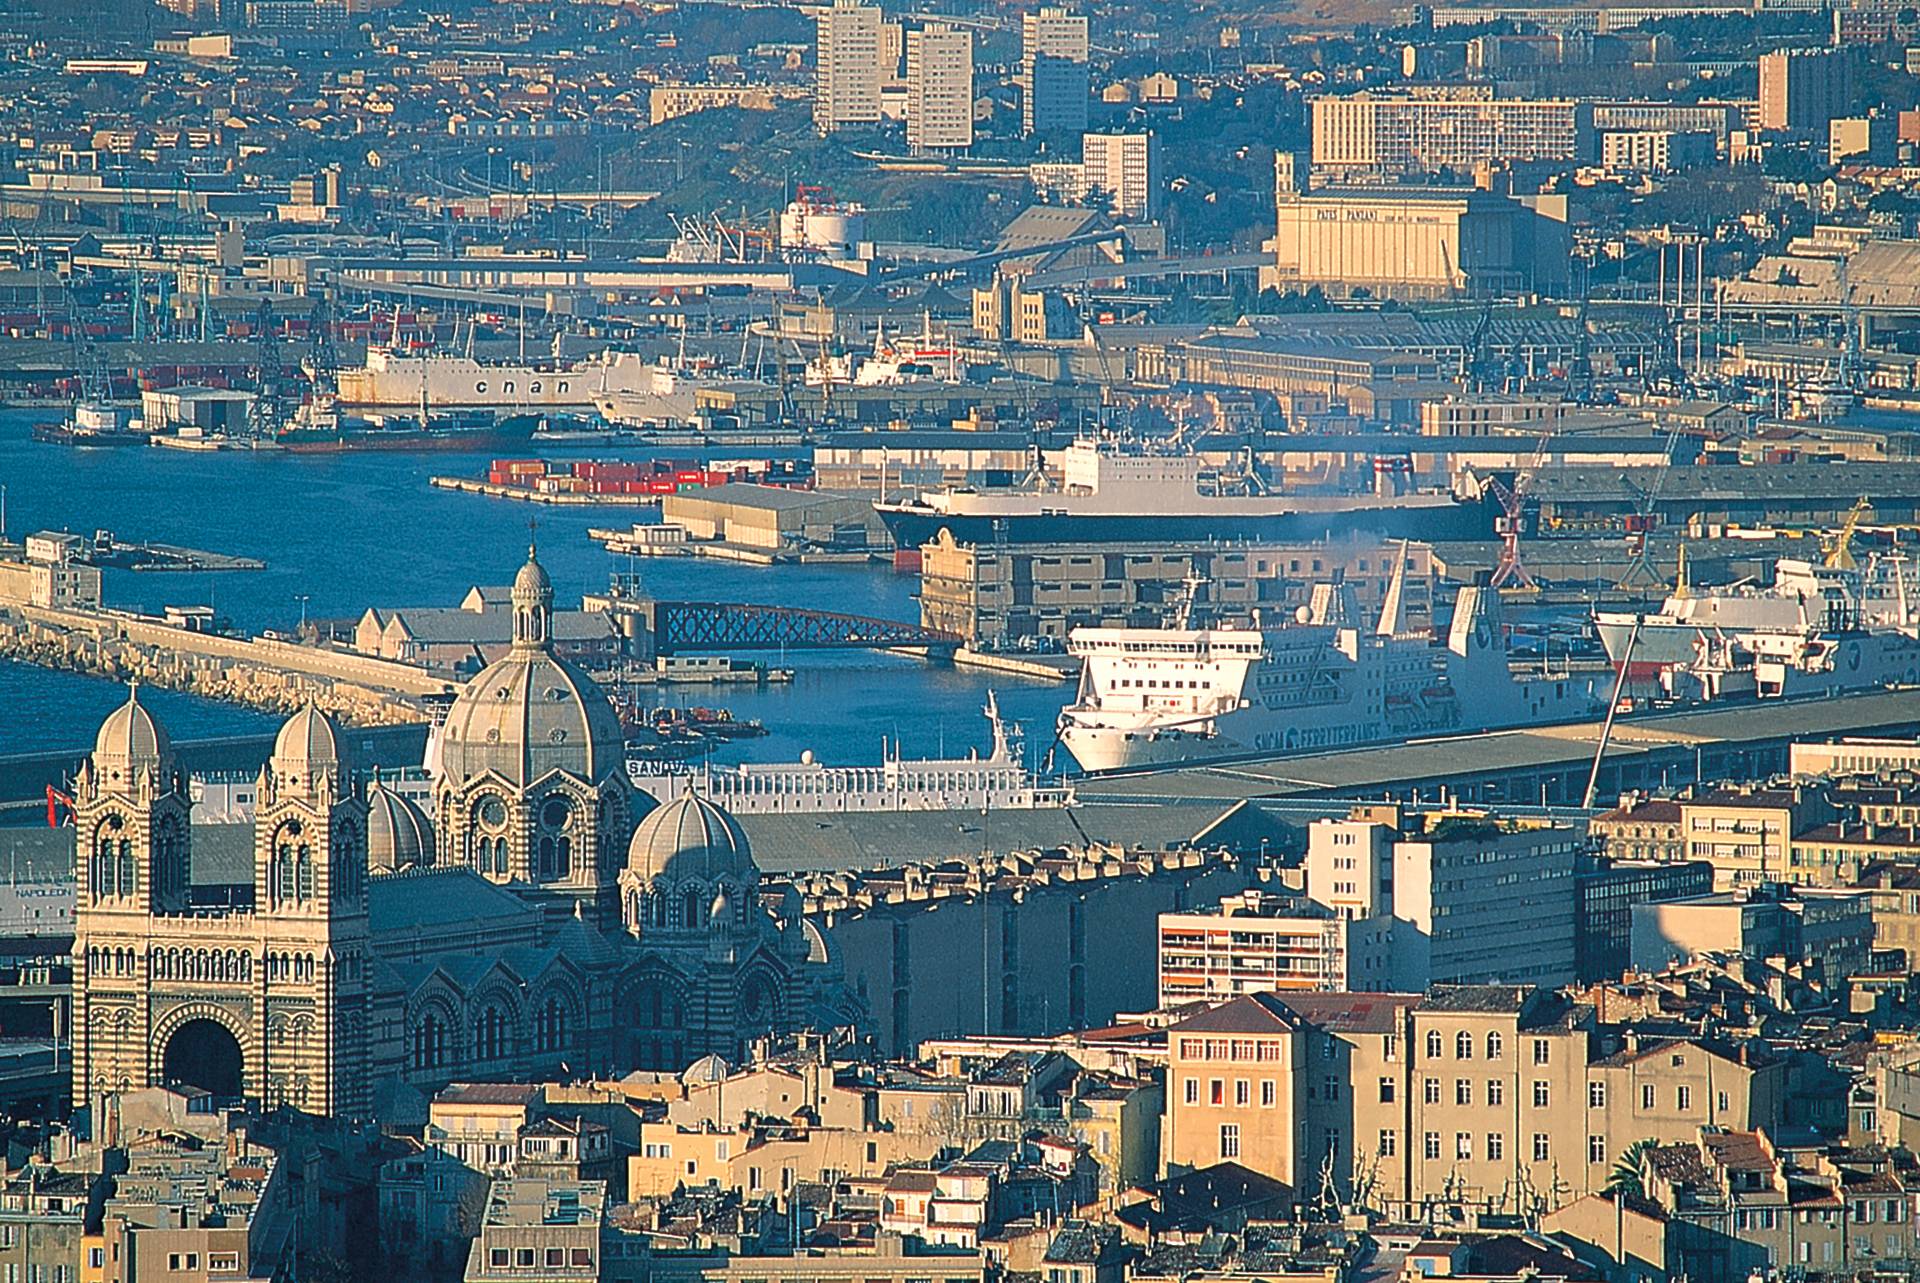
<point>532,605</point>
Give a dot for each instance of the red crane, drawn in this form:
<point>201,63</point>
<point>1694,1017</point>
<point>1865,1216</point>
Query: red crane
<point>1513,505</point>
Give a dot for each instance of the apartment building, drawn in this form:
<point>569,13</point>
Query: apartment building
<point>1665,1089</point>
<point>1497,1074</point>
<point>1746,832</point>
<point>939,88</point>
<point>539,1231</point>
<point>1053,77</point>
<point>1126,169</point>
<point>1803,89</point>
<point>1471,1095</point>
<point>848,66</point>
<point>1369,135</point>
<point>1260,942</point>
<point>1237,1078</point>
<point>184,1213</point>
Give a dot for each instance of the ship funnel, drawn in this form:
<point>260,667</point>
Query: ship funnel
<point>1393,607</point>
<point>1335,605</point>
<point>1476,622</point>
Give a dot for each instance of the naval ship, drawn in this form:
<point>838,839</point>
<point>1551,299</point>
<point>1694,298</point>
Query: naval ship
<point>1326,680</point>
<point>1120,491</point>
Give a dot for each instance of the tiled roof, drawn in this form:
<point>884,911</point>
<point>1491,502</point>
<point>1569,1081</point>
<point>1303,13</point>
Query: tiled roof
<point>1255,1013</point>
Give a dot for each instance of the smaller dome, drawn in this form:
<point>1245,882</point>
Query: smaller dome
<point>720,912</point>
<point>130,738</point>
<point>690,840</point>
<point>308,744</point>
<point>398,833</point>
<point>532,584</point>
<point>308,747</point>
<point>708,1069</point>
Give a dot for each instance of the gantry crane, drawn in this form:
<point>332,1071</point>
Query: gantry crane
<point>1642,521</point>
<point>1513,505</point>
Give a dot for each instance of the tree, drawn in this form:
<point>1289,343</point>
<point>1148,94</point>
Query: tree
<point>1629,1172</point>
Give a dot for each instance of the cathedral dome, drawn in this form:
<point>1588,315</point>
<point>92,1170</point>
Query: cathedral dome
<point>131,740</point>
<point>527,715</point>
<point>532,712</point>
<point>398,834</point>
<point>690,839</point>
<point>307,747</point>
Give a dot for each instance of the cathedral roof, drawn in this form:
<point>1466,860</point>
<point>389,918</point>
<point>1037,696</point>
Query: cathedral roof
<point>398,834</point>
<point>437,898</point>
<point>131,738</point>
<point>690,839</point>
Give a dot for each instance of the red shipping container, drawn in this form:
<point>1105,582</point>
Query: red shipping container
<point>660,485</point>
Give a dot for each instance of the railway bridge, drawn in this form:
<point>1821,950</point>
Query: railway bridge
<point>653,627</point>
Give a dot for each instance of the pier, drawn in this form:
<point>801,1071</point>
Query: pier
<point>558,499</point>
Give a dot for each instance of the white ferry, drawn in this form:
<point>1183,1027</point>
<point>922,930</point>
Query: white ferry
<point>394,380</point>
<point>1119,491</point>
<point>1153,697</point>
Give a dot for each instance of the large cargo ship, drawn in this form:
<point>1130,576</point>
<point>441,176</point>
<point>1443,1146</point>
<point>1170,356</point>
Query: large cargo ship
<point>393,380</point>
<point>1154,697</point>
<point>1117,491</point>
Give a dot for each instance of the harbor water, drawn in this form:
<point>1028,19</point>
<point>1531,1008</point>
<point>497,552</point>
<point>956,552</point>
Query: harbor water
<point>342,532</point>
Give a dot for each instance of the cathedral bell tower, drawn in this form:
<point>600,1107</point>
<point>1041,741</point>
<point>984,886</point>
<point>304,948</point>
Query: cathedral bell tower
<point>131,836</point>
<point>310,906</point>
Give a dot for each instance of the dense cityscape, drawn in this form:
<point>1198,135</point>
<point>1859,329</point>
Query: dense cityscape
<point>705,642</point>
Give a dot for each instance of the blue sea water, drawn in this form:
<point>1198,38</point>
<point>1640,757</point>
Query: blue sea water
<point>349,531</point>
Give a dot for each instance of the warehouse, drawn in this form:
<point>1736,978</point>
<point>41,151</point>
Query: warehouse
<point>774,519</point>
<point>1417,243</point>
<point>996,597</point>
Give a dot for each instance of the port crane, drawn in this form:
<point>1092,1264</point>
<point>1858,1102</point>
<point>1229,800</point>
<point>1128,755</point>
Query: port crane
<point>1840,552</point>
<point>1642,521</point>
<point>1510,569</point>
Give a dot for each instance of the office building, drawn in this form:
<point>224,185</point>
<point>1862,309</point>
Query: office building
<point>1125,168</point>
<point>1368,135</point>
<point>939,89</point>
<point>848,66</point>
<point>1607,892</point>
<point>1803,89</point>
<point>1053,78</point>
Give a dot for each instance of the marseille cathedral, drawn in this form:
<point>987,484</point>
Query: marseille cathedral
<point>540,918</point>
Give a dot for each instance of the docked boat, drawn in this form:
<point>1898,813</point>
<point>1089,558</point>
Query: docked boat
<point>894,362</point>
<point>1119,491</point>
<point>94,424</point>
<point>1817,629</point>
<point>318,427</point>
<point>1326,680</point>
